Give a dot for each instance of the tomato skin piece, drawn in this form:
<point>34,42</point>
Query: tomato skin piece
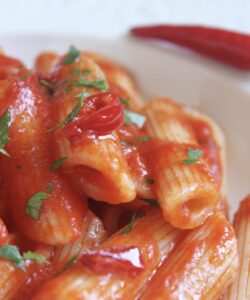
<point>115,260</point>
<point>101,114</point>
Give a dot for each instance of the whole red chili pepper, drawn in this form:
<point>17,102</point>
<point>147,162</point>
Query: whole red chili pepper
<point>227,46</point>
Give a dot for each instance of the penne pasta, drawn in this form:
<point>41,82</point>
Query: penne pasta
<point>156,240</point>
<point>166,120</point>
<point>186,190</point>
<point>212,140</point>
<point>93,234</point>
<point>240,289</point>
<point>96,166</point>
<point>119,78</point>
<point>59,217</point>
<point>200,267</point>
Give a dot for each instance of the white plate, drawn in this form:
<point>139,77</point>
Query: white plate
<point>220,92</point>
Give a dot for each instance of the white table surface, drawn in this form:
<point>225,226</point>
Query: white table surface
<point>111,18</point>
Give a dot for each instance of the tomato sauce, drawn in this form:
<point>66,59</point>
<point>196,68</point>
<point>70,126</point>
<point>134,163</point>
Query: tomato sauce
<point>205,138</point>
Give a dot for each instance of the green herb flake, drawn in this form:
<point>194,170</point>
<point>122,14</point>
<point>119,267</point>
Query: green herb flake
<point>86,71</point>
<point>193,156</point>
<point>151,202</point>
<point>12,253</point>
<point>124,101</point>
<point>69,263</point>
<point>34,204</point>
<point>81,97</point>
<point>143,139</point>
<point>75,71</point>
<point>149,180</point>
<point>71,56</point>
<point>98,84</point>
<point>128,144</point>
<point>129,227</point>
<point>48,85</point>
<point>4,131</point>
<point>57,163</point>
<point>132,117</point>
<point>35,257</point>
<point>49,187</point>
<point>24,75</point>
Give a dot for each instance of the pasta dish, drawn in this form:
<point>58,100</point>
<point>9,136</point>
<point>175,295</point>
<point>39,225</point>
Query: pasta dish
<point>105,196</point>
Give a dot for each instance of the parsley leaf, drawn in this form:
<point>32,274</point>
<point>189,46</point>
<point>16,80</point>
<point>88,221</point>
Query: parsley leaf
<point>24,75</point>
<point>132,117</point>
<point>69,263</point>
<point>71,56</point>
<point>49,187</point>
<point>34,204</point>
<point>4,130</point>
<point>143,139</point>
<point>35,257</point>
<point>75,71</point>
<point>124,101</point>
<point>86,71</point>
<point>98,84</point>
<point>81,97</point>
<point>151,202</point>
<point>48,85</point>
<point>149,180</point>
<point>193,156</point>
<point>129,227</point>
<point>12,253</point>
<point>57,163</point>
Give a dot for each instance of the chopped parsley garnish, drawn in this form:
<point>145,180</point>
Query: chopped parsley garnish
<point>151,202</point>
<point>48,85</point>
<point>132,117</point>
<point>129,227</point>
<point>86,71</point>
<point>34,204</point>
<point>124,143</point>
<point>124,101</point>
<point>11,253</point>
<point>98,84</point>
<point>149,180</point>
<point>57,163</point>
<point>71,56</point>
<point>193,156</point>
<point>81,97</point>
<point>24,75</point>
<point>4,131</point>
<point>143,139</point>
<point>49,187</point>
<point>69,263</point>
<point>75,71</point>
<point>35,257</point>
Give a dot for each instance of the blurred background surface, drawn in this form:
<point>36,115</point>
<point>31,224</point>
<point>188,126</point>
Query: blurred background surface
<point>111,18</point>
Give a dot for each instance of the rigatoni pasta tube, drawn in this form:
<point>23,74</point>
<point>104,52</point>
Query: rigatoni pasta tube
<point>187,193</point>
<point>240,289</point>
<point>155,239</point>
<point>27,173</point>
<point>186,189</point>
<point>93,234</point>
<point>118,76</point>
<point>96,166</point>
<point>201,267</point>
<point>166,120</point>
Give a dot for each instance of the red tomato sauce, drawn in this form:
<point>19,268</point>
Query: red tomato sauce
<point>205,138</point>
